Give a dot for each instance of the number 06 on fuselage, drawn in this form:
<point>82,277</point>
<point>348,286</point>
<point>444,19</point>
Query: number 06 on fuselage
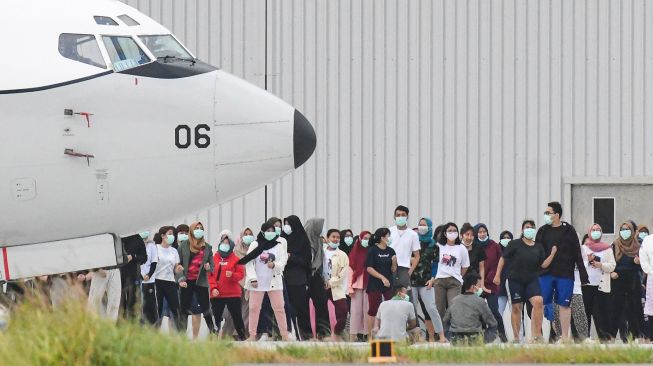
<point>110,125</point>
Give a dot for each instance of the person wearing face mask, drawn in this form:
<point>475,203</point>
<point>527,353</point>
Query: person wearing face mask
<point>346,240</point>
<point>600,263</point>
<point>453,264</point>
<point>405,243</point>
<point>491,291</point>
<point>526,259</point>
<point>642,233</point>
<point>469,318</point>
<point>504,238</point>
<point>625,284</point>
<point>396,317</point>
<point>422,281</point>
<point>557,281</point>
<point>130,274</point>
<point>316,291</point>
<point>335,271</point>
<point>196,260</point>
<point>150,312</point>
<point>224,285</point>
<point>183,235</point>
<point>357,284</point>
<point>297,272</point>
<point>265,262</point>
<point>381,265</point>
<point>476,253</point>
<point>164,277</point>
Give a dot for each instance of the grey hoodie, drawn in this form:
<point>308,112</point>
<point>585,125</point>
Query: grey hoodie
<point>313,228</point>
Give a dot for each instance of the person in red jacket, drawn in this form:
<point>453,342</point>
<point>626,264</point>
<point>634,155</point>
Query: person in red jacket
<point>224,285</point>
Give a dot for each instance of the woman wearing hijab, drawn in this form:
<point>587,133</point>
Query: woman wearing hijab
<point>490,290</point>
<point>422,280</point>
<point>625,284</point>
<point>265,262</point>
<point>224,284</point>
<point>196,261</point>
<point>504,238</point>
<point>346,241</point>
<point>316,286</point>
<point>297,272</point>
<point>357,285</point>
<point>599,262</point>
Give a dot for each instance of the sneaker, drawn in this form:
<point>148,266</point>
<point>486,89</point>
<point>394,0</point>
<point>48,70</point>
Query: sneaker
<point>264,338</point>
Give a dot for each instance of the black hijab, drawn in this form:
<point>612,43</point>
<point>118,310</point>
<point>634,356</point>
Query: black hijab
<point>297,240</point>
<point>343,246</point>
<point>263,244</point>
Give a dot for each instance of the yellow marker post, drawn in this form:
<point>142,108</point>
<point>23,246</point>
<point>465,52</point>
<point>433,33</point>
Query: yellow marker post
<point>382,351</point>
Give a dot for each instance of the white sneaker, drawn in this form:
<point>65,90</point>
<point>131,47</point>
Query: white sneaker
<point>264,338</point>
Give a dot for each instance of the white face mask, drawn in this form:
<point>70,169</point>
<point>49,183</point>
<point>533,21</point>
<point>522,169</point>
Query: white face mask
<point>287,229</point>
<point>452,236</point>
<point>423,230</point>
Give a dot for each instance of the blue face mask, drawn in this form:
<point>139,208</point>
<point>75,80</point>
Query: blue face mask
<point>596,235</point>
<point>504,242</point>
<point>277,230</point>
<point>182,237</point>
<point>334,245</point>
<point>642,235</point>
<point>224,247</point>
<point>548,219</point>
<point>170,239</point>
<point>365,243</point>
<point>270,235</point>
<point>248,239</point>
<point>401,220</point>
<point>625,234</point>
<point>198,233</point>
<point>478,292</point>
<point>389,240</point>
<point>349,240</point>
<point>144,235</point>
<point>529,233</point>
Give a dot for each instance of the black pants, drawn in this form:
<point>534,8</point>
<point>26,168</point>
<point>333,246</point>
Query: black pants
<point>168,290</point>
<point>493,304</point>
<point>129,298</point>
<point>298,296</point>
<point>318,294</point>
<point>626,296</point>
<point>597,306</point>
<point>150,309</point>
<point>202,295</point>
<point>234,306</point>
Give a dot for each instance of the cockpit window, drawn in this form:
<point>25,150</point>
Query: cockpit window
<point>124,52</point>
<point>128,20</point>
<point>165,46</point>
<point>81,47</point>
<point>101,20</point>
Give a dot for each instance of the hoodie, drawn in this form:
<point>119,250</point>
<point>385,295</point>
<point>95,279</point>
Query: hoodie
<point>313,228</point>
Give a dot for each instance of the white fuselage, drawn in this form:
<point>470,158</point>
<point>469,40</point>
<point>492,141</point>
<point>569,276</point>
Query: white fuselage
<point>163,145</point>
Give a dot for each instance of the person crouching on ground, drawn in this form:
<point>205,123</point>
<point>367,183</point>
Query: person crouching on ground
<point>396,317</point>
<point>469,318</point>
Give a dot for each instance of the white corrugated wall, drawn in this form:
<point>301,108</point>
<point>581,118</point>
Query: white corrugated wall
<point>465,110</point>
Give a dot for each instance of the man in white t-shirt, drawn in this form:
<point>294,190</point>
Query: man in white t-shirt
<point>405,243</point>
<point>396,317</point>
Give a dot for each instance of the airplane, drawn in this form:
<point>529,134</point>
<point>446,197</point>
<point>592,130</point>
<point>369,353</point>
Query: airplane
<point>110,124</point>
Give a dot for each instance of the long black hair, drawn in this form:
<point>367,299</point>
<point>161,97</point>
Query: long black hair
<point>378,234</point>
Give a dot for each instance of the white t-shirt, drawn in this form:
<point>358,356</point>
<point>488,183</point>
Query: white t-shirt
<point>594,274</point>
<point>394,316</point>
<point>263,273</point>
<point>326,265</point>
<point>152,257</point>
<point>165,267</point>
<point>577,288</point>
<point>452,259</point>
<point>404,242</point>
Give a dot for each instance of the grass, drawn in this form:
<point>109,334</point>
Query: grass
<point>38,335</point>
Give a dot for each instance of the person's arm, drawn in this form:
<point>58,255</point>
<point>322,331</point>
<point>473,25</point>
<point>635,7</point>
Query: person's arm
<point>645,259</point>
<point>239,273</point>
<point>486,316</point>
<point>481,269</point>
<point>413,263</point>
<point>152,269</point>
<point>394,264</point>
<point>280,261</point>
<point>338,274</point>
<point>180,276</point>
<point>140,254</point>
<point>465,263</point>
<point>578,257</point>
<point>497,277</point>
<point>549,259</point>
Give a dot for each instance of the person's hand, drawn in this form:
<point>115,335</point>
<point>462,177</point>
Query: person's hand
<point>596,264</point>
<point>146,278</point>
<point>614,275</point>
<point>81,277</point>
<point>270,265</point>
<point>179,269</point>
<point>385,281</point>
<point>254,284</point>
<point>410,271</point>
<point>89,276</point>
<point>207,266</point>
<point>496,280</point>
<point>554,250</point>
<point>430,283</point>
<point>183,284</point>
<point>636,260</point>
<point>228,273</point>
<point>486,290</point>
<point>102,272</point>
<point>129,258</point>
<point>327,285</point>
<point>215,293</point>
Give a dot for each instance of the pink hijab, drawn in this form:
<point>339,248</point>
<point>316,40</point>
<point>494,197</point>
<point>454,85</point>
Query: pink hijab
<point>596,245</point>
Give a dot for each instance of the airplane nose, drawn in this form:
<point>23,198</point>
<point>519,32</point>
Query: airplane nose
<point>304,139</point>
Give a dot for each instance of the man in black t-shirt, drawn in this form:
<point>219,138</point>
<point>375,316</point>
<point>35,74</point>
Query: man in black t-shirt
<point>558,278</point>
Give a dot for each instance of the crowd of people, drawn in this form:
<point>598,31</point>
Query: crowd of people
<point>291,281</point>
